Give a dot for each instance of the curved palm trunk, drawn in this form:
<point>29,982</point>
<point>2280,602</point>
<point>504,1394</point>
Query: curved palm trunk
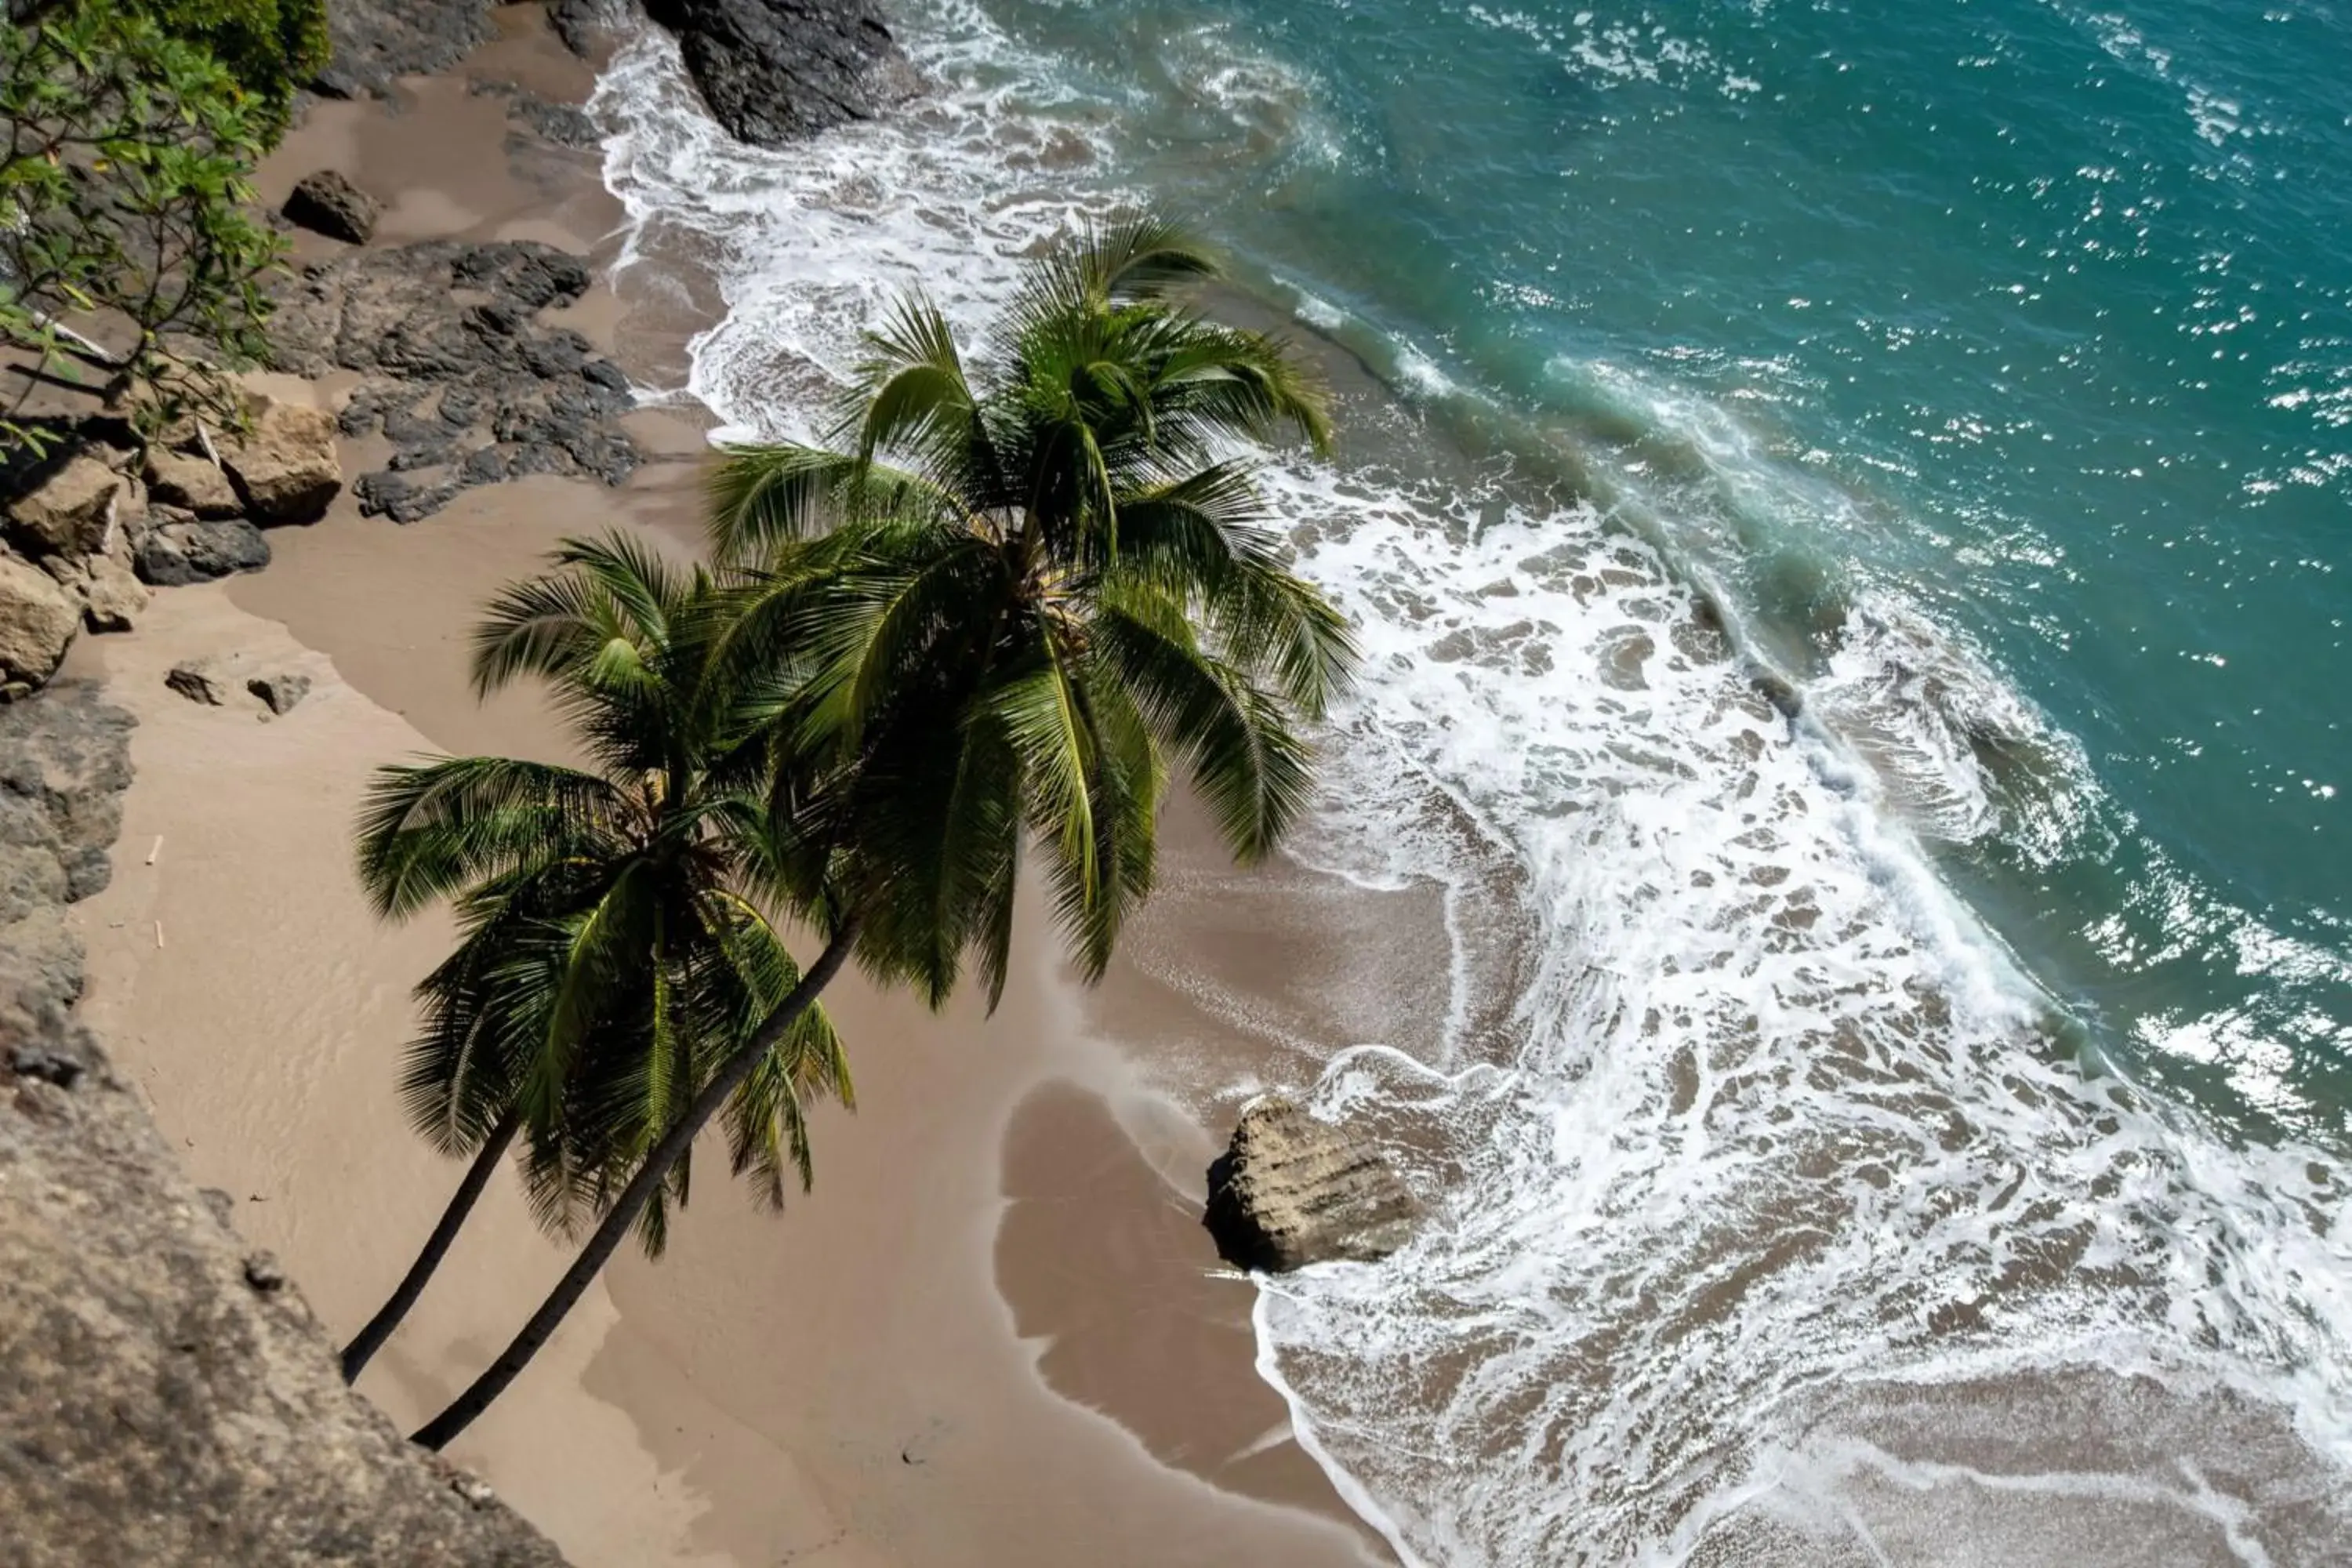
<point>437,1433</point>
<point>369,1340</point>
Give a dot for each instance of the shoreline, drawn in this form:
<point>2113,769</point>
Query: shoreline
<point>661,1426</point>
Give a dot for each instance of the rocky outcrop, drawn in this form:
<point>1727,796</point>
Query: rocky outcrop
<point>330,205</point>
<point>459,375</point>
<point>166,1398</point>
<point>1291,1190</point>
<point>773,70</point>
<point>377,41</point>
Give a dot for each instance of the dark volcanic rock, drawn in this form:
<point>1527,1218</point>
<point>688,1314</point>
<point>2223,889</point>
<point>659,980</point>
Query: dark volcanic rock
<point>564,124</point>
<point>376,41</point>
<point>175,550</point>
<point>334,206</point>
<point>456,365</point>
<point>1290,1190</point>
<point>773,70</point>
<point>166,1398</point>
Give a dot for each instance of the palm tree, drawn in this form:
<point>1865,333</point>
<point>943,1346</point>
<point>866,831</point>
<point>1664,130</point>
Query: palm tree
<point>991,614</point>
<point>613,954</point>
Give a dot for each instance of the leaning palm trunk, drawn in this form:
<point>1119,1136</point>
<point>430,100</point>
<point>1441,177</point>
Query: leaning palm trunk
<point>438,1433</point>
<point>369,1340</point>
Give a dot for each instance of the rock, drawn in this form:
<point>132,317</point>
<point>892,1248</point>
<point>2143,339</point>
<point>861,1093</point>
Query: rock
<point>48,1066</point>
<point>1291,1190</point>
<point>263,1273</point>
<point>160,1404</point>
<point>205,681</point>
<point>68,513</point>
<point>111,594</point>
<point>455,362</point>
<point>774,71</point>
<point>280,692</point>
<point>588,27</point>
<point>176,478</point>
<point>173,554</point>
<point>285,465</point>
<point>377,41</point>
<point>334,206</point>
<point>38,622</point>
<point>561,123</point>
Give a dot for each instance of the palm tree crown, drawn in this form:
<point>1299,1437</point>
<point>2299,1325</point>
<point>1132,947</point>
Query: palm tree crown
<point>1011,595</point>
<point>613,952</point>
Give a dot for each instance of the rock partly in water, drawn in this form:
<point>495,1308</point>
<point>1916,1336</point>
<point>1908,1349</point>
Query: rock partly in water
<point>774,71</point>
<point>167,1398</point>
<point>182,480</point>
<point>39,619</point>
<point>330,205</point>
<point>68,513</point>
<point>1291,1190</point>
<point>174,548</point>
<point>284,463</point>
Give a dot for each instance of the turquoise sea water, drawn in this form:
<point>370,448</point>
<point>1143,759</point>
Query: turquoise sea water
<point>1911,1131</point>
<point>2039,313</point>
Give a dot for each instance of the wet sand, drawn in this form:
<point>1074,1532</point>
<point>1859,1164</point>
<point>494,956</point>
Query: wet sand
<point>995,1333</point>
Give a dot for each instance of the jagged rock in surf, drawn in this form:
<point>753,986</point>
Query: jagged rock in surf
<point>1290,1190</point>
<point>773,70</point>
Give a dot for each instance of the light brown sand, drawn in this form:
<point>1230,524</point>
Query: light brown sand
<point>843,1384</point>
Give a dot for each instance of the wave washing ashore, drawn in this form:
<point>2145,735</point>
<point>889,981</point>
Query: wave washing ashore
<point>1847,558</point>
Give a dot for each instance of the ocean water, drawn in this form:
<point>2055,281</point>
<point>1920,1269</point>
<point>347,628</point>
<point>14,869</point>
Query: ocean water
<point>1853,553</point>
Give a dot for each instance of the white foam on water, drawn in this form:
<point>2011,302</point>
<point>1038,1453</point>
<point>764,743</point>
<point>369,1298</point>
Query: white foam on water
<point>1771,1115</point>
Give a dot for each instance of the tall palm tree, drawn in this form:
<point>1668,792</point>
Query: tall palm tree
<point>991,612</point>
<point>614,953</point>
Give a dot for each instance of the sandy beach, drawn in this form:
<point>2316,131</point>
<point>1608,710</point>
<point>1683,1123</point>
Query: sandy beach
<point>995,1332</point>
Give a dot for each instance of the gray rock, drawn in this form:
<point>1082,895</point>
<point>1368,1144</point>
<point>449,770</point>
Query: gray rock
<point>39,619</point>
<point>461,318</point>
<point>564,124</point>
<point>588,27</point>
<point>378,40</point>
<point>334,206</point>
<point>175,553</point>
<point>1291,1190</point>
<point>166,1398</point>
<point>775,70</point>
<point>280,691</point>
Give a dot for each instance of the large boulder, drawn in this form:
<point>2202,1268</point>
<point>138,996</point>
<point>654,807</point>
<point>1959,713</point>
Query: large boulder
<point>774,71</point>
<point>66,513</point>
<point>178,478</point>
<point>334,206</point>
<point>285,465</point>
<point>1291,1190</point>
<point>39,619</point>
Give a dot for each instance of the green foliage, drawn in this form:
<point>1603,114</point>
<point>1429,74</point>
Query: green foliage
<point>128,238</point>
<point>613,952</point>
<point>1011,600</point>
<point>271,46</point>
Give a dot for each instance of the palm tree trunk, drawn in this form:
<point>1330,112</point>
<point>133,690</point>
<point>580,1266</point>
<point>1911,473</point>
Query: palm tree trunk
<point>364,1346</point>
<point>437,1433</point>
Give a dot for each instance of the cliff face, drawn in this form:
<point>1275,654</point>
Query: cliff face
<point>165,1396</point>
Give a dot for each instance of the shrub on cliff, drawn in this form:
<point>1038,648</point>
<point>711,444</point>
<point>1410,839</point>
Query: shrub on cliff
<point>130,260</point>
<point>271,46</point>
